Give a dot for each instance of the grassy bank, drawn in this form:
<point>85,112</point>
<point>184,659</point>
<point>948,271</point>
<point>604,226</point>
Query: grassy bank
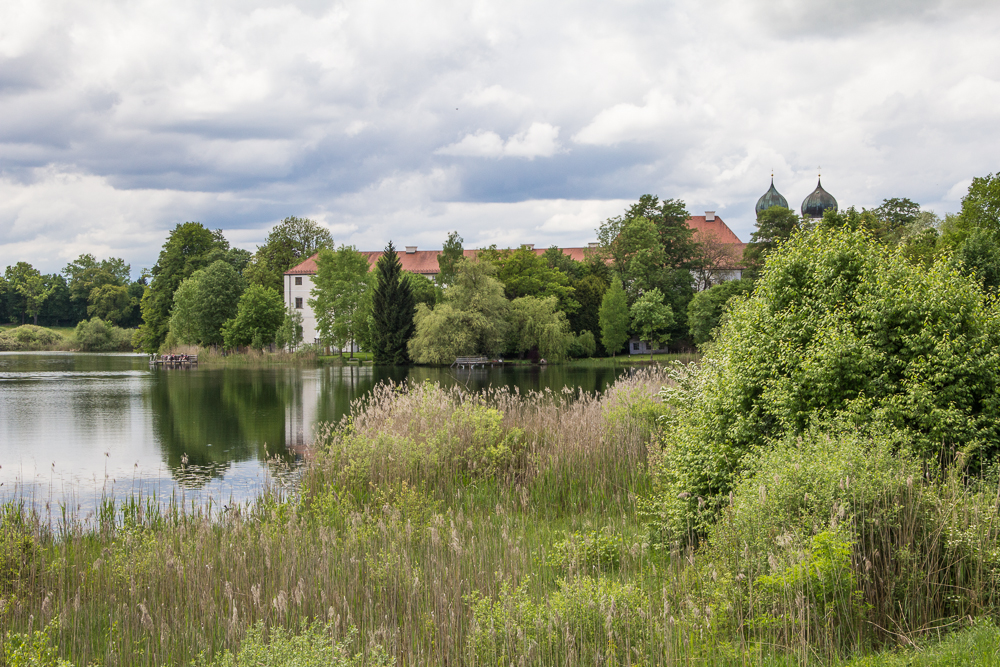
<point>442,528</point>
<point>213,356</point>
<point>88,336</point>
<point>625,360</point>
<point>28,337</point>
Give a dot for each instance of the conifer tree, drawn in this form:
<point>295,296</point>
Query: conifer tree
<point>392,311</point>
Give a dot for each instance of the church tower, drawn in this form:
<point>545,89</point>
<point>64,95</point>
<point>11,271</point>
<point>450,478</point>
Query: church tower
<point>817,202</point>
<point>770,198</point>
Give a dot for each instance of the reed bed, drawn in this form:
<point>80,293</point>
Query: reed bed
<point>441,527</point>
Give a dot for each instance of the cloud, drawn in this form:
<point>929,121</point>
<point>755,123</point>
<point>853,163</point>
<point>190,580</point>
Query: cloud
<point>539,140</point>
<point>123,119</point>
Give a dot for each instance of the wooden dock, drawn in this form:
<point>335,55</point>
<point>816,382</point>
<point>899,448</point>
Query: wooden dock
<point>174,360</point>
<point>472,362</point>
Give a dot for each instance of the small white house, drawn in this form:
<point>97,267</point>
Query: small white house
<point>636,346</point>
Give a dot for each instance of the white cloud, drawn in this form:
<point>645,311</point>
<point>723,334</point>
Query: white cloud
<point>132,117</point>
<point>957,191</point>
<point>631,122</point>
<point>539,140</point>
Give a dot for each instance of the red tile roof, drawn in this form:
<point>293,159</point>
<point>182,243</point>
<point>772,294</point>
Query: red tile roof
<point>425,261</point>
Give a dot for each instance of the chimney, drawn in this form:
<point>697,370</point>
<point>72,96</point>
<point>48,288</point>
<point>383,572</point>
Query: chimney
<point>529,246</point>
<point>592,245</point>
<point>410,249</point>
<point>710,215</point>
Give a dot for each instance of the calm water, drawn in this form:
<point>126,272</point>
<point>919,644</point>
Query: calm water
<point>76,426</point>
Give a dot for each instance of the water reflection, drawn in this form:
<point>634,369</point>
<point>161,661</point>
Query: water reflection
<point>70,423</point>
<point>206,419</point>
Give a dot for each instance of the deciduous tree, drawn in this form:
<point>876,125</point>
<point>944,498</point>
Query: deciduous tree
<point>451,254</point>
<point>204,302</point>
<point>774,226</point>
<point>339,285</point>
<point>259,315</point>
<point>188,248</point>
<point>472,320</point>
<point>110,303</point>
<point>290,242</point>
<point>614,317</point>
<point>537,325</point>
<point>707,307</point>
<point>652,318</point>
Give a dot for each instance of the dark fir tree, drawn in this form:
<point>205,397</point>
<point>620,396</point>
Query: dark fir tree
<point>392,311</point>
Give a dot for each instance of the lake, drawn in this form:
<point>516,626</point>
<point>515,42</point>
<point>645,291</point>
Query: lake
<point>75,427</point>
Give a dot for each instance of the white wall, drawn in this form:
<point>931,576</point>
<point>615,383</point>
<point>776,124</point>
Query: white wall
<point>293,292</point>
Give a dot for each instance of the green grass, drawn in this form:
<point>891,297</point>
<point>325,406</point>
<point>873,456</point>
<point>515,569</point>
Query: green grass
<point>65,332</point>
<point>625,360</point>
<point>972,646</point>
<point>435,528</point>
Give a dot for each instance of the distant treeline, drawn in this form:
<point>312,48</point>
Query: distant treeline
<point>651,276</point>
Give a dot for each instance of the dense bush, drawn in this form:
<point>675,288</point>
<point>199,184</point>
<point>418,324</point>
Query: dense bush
<point>838,328</point>
<point>706,308</point>
<point>29,337</point>
<point>97,335</point>
<point>441,439</point>
<point>313,646</point>
<point>260,313</point>
<point>588,620</point>
<point>831,540</point>
<point>583,345</point>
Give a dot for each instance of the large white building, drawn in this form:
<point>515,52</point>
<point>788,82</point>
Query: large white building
<point>707,228</point>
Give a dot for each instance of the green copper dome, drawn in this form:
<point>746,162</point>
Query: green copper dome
<point>770,198</point>
<point>817,202</point>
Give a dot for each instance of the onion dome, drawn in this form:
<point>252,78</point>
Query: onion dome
<point>770,198</point>
<point>817,202</point>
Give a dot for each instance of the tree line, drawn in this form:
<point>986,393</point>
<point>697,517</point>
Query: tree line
<point>650,276</point>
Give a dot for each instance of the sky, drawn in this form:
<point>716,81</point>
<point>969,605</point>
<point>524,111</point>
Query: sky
<point>510,122</point>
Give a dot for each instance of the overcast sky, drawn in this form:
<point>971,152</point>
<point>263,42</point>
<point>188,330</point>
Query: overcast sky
<point>510,122</point>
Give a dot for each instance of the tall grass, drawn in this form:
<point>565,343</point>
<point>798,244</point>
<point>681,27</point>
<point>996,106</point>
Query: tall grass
<point>441,527</point>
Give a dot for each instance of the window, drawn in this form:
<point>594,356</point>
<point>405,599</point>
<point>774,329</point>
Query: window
<point>298,302</point>
<point>635,347</point>
<point>298,280</point>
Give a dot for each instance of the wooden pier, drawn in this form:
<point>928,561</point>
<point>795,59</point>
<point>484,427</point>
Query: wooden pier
<point>173,360</point>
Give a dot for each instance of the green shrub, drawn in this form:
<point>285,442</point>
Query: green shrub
<point>838,328</point>
<point>593,550</point>
<point>442,441</point>
<point>18,553</point>
<point>583,345</point>
<point>33,649</point>
<point>707,307</point>
<point>832,540</point>
<point>29,337</point>
<point>313,646</point>
<point>97,335</point>
<point>973,646</point>
<point>588,620</point>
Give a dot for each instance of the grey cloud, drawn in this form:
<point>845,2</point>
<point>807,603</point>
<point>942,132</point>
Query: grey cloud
<point>834,18</point>
<point>237,114</point>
